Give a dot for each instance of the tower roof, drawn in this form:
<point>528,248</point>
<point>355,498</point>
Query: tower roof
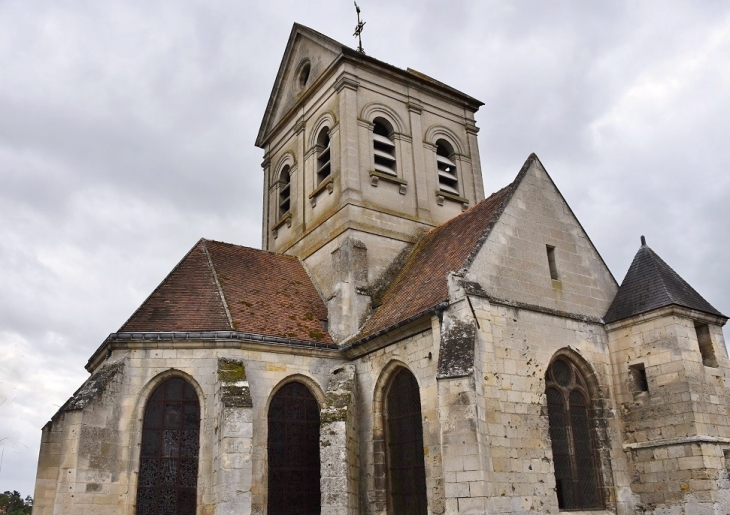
<point>325,55</point>
<point>651,284</point>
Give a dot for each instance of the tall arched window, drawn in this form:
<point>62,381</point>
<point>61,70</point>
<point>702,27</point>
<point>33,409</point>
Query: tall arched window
<point>284,191</point>
<point>448,180</point>
<point>324,159</point>
<point>294,452</point>
<point>404,444</point>
<point>383,147</point>
<point>574,452</point>
<point>168,461</point>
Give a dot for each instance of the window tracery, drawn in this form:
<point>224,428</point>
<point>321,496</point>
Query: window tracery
<point>168,463</point>
<point>578,479</point>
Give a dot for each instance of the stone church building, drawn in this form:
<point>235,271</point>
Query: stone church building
<point>402,345</point>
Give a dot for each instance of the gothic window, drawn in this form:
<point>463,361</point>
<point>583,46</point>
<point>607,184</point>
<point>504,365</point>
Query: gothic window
<point>404,444</point>
<point>284,191</point>
<point>448,180</point>
<point>574,453</point>
<point>294,452</point>
<point>168,461</point>
<point>324,166</point>
<point>383,147</point>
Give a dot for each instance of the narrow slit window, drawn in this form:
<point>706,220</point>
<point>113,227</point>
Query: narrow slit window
<point>639,383</point>
<point>324,164</point>
<point>707,350</point>
<point>551,262</point>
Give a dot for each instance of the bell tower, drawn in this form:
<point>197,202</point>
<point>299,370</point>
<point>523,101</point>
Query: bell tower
<point>360,159</point>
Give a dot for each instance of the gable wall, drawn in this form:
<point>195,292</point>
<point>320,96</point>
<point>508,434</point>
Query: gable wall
<point>513,262</point>
<point>319,57</point>
<point>517,347</point>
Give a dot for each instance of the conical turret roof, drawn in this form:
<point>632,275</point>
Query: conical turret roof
<point>651,284</point>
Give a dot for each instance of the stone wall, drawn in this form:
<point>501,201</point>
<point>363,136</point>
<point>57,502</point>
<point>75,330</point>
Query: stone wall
<point>677,416</point>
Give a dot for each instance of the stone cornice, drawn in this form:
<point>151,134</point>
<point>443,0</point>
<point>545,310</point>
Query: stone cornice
<point>208,340</point>
<point>677,441</point>
<point>666,312</point>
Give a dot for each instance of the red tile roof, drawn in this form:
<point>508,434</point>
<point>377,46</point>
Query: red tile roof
<point>422,282</point>
<point>223,287</point>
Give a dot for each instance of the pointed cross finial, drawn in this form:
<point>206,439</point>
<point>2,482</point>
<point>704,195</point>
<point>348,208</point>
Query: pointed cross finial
<point>643,241</point>
<point>358,30</point>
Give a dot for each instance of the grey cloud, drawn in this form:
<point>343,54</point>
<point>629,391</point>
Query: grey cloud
<point>126,133</point>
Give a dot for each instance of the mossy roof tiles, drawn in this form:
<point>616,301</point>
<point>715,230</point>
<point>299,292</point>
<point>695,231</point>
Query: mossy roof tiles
<point>223,287</point>
<point>422,282</point>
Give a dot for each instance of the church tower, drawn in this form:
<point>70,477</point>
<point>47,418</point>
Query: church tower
<point>361,158</point>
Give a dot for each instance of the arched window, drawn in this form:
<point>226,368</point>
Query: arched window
<point>168,461</point>
<point>324,166</point>
<point>284,191</point>
<point>448,180</point>
<point>294,452</point>
<point>404,444</point>
<point>574,452</point>
<point>383,147</point>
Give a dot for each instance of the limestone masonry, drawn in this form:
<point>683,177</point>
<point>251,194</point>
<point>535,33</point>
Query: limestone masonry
<point>402,345</point>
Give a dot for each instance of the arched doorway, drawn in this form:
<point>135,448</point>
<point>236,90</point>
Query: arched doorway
<point>293,449</point>
<point>168,461</point>
<point>404,444</point>
<point>575,461</point>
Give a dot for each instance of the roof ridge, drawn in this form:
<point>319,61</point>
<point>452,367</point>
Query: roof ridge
<point>174,269</point>
<point>653,257</point>
<point>218,284</point>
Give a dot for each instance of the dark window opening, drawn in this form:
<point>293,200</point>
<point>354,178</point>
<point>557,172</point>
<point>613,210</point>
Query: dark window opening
<point>551,262</point>
<point>704,339</point>
<point>446,168</point>
<point>304,75</point>
<point>293,449</point>
<point>404,444</point>
<point>637,374</point>
<point>574,454</point>
<point>284,191</point>
<point>168,461</point>
<point>383,147</point>
<point>324,166</point>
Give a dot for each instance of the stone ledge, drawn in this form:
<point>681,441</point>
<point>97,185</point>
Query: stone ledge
<point>676,441</point>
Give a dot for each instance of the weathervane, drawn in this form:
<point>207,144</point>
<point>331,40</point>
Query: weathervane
<point>358,30</point>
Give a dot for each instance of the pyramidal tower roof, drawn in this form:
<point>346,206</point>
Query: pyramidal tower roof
<point>651,284</point>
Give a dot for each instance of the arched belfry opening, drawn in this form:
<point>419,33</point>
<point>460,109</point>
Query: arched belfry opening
<point>404,446</point>
<point>293,450</point>
<point>575,455</point>
<point>168,461</point>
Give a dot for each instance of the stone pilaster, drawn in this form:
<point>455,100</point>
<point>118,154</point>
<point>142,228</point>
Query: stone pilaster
<point>233,462</point>
<point>338,445</point>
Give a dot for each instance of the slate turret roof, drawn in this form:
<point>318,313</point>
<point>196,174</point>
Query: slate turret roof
<point>651,284</point>
<point>223,287</point>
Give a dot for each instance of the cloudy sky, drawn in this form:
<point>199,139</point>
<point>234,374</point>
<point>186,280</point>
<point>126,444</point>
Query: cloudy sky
<point>127,130</point>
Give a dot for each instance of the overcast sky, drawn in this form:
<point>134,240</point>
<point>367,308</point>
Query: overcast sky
<point>127,130</point>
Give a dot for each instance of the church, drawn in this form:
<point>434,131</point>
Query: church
<point>403,344</point>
